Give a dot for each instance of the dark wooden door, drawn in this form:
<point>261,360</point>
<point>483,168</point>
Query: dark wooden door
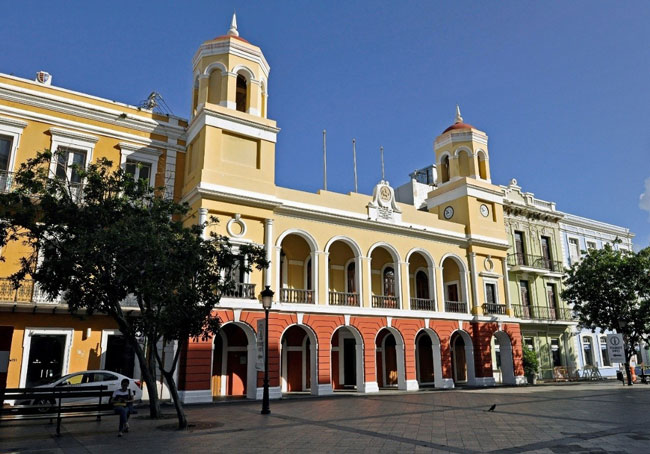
<point>6,334</point>
<point>349,362</point>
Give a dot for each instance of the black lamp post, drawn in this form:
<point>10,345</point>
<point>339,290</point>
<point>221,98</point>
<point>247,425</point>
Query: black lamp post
<point>267,299</point>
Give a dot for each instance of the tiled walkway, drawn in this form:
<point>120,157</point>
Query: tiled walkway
<point>587,418</point>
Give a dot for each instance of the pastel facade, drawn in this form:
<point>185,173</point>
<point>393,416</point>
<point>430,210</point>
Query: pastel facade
<point>535,271</point>
<point>578,236</point>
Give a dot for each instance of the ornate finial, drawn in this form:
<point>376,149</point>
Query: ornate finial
<point>459,119</point>
<point>233,26</point>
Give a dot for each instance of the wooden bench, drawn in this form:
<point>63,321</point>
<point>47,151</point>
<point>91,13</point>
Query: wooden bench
<point>50,403</point>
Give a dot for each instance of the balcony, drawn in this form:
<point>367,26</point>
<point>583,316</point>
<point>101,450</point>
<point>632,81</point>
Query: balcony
<point>242,290</point>
<point>385,302</point>
<point>27,292</point>
<point>542,313</point>
<point>495,309</point>
<point>296,296</point>
<point>343,299</point>
<point>423,304</point>
<point>456,306</point>
<point>534,264</point>
<point>6,179</point>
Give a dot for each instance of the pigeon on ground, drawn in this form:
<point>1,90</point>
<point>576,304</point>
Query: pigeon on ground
<point>492,407</point>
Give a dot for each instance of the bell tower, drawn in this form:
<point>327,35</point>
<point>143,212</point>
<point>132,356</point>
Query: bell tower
<point>231,142</point>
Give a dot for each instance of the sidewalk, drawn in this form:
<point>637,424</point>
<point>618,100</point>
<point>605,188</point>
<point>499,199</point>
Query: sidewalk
<point>603,417</point>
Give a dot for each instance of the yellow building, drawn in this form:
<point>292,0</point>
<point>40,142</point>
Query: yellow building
<point>371,291</point>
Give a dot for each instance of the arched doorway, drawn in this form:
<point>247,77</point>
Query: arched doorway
<point>298,359</point>
<point>454,285</point>
<point>347,359</point>
<point>385,278</point>
<point>389,348</point>
<point>428,361</point>
<point>297,273</point>
<point>343,272</point>
<point>421,280</point>
<point>233,362</point>
<point>462,358</point>
<point>502,360</point>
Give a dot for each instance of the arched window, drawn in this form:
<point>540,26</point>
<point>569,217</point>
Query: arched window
<point>214,87</point>
<point>389,281</point>
<point>351,278</point>
<point>421,285</point>
<point>195,95</point>
<point>241,94</point>
<point>464,163</point>
<point>482,166</point>
<point>444,171</point>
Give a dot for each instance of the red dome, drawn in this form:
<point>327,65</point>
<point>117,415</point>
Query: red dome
<point>218,38</point>
<point>458,125</point>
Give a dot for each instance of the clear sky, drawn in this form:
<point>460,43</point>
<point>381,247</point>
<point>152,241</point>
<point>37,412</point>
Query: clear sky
<point>561,88</point>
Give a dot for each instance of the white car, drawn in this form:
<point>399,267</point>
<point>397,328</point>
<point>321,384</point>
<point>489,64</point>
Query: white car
<point>107,378</point>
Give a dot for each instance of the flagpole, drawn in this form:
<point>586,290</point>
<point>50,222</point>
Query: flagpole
<point>381,151</point>
<point>354,157</point>
<point>325,159</point>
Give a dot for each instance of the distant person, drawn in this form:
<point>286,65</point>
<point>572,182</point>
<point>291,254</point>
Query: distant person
<point>122,400</point>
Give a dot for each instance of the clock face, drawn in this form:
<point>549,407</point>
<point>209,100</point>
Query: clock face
<point>384,194</point>
<point>485,211</point>
<point>449,212</point>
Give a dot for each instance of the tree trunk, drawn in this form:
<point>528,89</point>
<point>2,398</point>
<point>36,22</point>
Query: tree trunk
<point>627,369</point>
<point>150,379</point>
<point>180,413</point>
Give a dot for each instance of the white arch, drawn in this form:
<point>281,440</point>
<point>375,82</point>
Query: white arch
<point>507,360</point>
<point>430,272</point>
<point>483,152</point>
<point>463,148</point>
<point>360,371</point>
<point>438,380</point>
<point>313,245</point>
<point>244,71</point>
<point>469,354</point>
<point>399,350</point>
<point>356,250</point>
<point>391,250</point>
<point>442,156</point>
<point>461,265</point>
<point>313,358</point>
<point>251,356</point>
<point>216,65</point>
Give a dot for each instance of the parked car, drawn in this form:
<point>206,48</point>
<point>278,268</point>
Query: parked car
<point>87,378</point>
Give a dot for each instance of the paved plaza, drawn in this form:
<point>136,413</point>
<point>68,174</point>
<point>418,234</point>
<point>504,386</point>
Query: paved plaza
<point>585,418</point>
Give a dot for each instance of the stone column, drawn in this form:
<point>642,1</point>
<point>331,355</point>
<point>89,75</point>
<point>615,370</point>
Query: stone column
<point>268,247</point>
<point>476,309</point>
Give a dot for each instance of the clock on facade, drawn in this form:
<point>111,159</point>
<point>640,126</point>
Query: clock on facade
<point>449,212</point>
<point>485,211</point>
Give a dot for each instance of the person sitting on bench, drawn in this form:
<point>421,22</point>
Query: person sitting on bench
<point>122,401</point>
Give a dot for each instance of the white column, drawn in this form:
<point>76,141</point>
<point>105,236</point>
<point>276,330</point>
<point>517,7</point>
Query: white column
<point>506,283</point>
<point>203,216</point>
<point>474,278</point>
<point>268,246</point>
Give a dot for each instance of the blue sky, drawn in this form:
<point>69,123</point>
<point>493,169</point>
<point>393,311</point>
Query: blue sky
<point>561,88</point>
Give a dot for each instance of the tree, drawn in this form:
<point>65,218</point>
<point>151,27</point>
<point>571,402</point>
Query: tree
<point>610,289</point>
<point>115,246</point>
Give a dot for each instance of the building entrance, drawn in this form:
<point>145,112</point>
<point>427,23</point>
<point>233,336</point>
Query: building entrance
<point>45,361</point>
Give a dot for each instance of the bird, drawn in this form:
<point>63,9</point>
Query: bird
<point>492,407</point>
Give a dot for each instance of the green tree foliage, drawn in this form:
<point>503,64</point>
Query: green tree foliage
<point>531,363</point>
<point>610,289</point>
<point>115,246</point>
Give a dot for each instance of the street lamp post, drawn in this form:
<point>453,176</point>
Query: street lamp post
<point>267,299</point>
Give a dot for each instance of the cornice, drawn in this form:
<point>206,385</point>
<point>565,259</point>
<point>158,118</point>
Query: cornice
<point>237,124</point>
<point>234,47</point>
<point>457,137</point>
<point>40,99</point>
<point>579,221</point>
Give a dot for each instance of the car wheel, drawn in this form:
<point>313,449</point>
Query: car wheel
<point>44,405</point>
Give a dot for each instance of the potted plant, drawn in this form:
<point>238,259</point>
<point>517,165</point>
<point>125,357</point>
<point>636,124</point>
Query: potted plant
<point>531,365</point>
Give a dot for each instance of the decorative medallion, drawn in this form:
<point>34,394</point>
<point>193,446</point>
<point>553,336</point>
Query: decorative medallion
<point>236,227</point>
<point>383,206</point>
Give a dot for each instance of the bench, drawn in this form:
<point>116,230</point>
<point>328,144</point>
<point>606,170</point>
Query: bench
<point>50,403</point>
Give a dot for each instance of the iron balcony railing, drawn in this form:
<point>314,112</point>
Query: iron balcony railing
<point>455,306</point>
<point>542,313</point>
<point>496,309</point>
<point>27,292</point>
<point>423,304</point>
<point>6,179</point>
<point>294,295</point>
<point>385,302</point>
<point>242,290</point>
<point>535,261</point>
<point>343,299</point>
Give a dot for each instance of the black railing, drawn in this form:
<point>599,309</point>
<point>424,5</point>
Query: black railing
<point>542,313</point>
<point>423,304</point>
<point>343,299</point>
<point>455,306</point>
<point>535,261</point>
<point>293,295</point>
<point>496,309</point>
<point>385,302</point>
<point>242,290</point>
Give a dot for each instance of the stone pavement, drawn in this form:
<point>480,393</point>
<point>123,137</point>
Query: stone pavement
<point>586,418</point>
